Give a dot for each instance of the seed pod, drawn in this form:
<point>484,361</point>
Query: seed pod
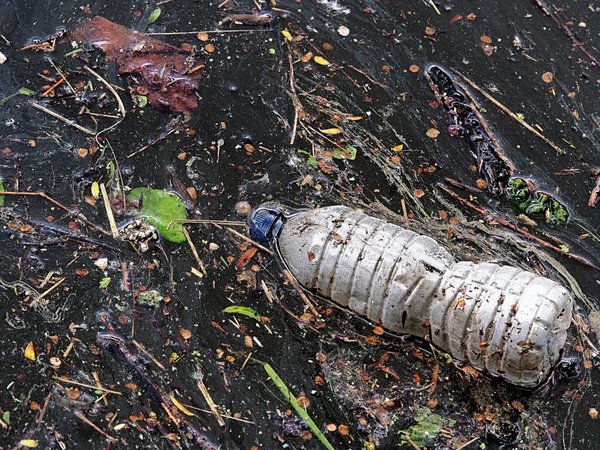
<point>507,321</point>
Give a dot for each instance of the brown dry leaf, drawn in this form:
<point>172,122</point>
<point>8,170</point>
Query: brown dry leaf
<point>327,46</point>
<point>180,407</point>
<point>481,183</point>
<point>413,68</point>
<point>246,257</point>
<point>73,393</point>
<point>378,331</point>
<point>303,401</point>
<point>29,352</point>
<point>185,333</point>
<point>324,167</point>
<point>82,272</point>
<point>471,16</point>
<point>456,18</point>
<point>209,48</point>
<point>202,36</point>
<point>429,30</point>
<point>432,133</point>
<point>321,61</point>
<point>485,39</point>
<point>306,57</point>
<point>386,68</point>
<point>344,430</point>
<point>547,77</point>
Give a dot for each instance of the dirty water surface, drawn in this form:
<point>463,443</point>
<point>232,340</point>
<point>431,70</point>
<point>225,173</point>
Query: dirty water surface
<point>139,339</point>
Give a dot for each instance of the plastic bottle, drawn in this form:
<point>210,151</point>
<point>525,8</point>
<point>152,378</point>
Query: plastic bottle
<point>504,320</point>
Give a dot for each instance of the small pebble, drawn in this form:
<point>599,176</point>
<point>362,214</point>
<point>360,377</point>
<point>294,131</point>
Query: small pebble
<point>242,209</point>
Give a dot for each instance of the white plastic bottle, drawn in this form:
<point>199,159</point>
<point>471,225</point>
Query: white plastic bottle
<point>503,320</point>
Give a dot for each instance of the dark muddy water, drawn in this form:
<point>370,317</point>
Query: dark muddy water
<point>236,146</point>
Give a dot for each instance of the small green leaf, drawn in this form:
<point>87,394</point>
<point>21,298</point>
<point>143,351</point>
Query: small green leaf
<point>1,190</point>
<point>291,398</point>
<point>6,417</point>
<point>160,208</point>
<point>271,51</point>
<point>104,282</point>
<point>140,100</point>
<point>312,161</point>
<point>348,153</point>
<point>154,15</point>
<point>26,91</point>
<point>73,52</point>
<point>244,310</point>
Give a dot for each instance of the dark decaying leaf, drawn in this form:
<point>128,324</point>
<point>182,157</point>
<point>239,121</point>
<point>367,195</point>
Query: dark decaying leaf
<point>170,74</point>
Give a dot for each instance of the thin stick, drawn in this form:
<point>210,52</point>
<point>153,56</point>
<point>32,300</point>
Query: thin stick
<point>231,223</point>
<point>433,5</point>
<point>84,419</point>
<point>142,349</point>
<point>89,386</point>
<point>227,416</point>
<point>467,443</point>
<point>111,89</point>
<point>111,218</point>
<point>194,251</point>
<point>300,292</point>
<point>51,88</point>
<point>178,33</point>
<point>488,213</point>
<point>50,289</point>
<point>150,144</point>
<point>293,95</point>
<point>247,239</point>
<point>210,402</point>
<point>63,119</point>
<point>62,75</point>
<point>511,114</point>
<point>99,384</point>
<point>46,197</point>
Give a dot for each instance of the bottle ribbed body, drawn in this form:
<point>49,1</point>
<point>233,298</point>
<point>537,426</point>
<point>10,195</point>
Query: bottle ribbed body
<point>503,320</point>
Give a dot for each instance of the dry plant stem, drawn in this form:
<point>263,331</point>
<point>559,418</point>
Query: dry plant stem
<point>595,194</point>
<point>466,444</point>
<point>69,122</point>
<point>180,33</point>
<point>508,112</point>
<point>89,386</point>
<point>84,419</point>
<point>487,213</point>
<point>300,292</point>
<point>293,95</point>
<point>247,239</point>
<point>99,384</point>
<point>194,251</point>
<point>112,90</point>
<point>231,223</point>
<point>51,88</point>
<point>56,203</point>
<point>210,402</point>
<point>567,31</point>
<point>46,292</point>
<point>433,5</point>
<point>62,75</point>
<point>111,218</point>
<point>158,139</point>
<point>151,357</point>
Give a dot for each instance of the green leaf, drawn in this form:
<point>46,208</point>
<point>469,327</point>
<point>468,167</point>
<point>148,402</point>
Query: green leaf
<point>140,100</point>
<point>427,428</point>
<point>6,417</point>
<point>104,282</point>
<point>291,398</point>
<point>160,208</point>
<point>348,153</point>
<point>154,15</point>
<point>1,190</point>
<point>244,310</point>
<point>26,91</point>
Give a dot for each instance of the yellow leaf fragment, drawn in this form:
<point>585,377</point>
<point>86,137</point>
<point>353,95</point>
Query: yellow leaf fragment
<point>322,61</point>
<point>29,443</point>
<point>180,407</point>
<point>398,148</point>
<point>307,57</point>
<point>287,35</point>
<point>30,352</point>
<point>95,189</point>
<point>354,118</point>
<point>331,131</point>
<point>432,133</point>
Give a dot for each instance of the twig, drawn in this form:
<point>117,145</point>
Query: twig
<point>150,144</point>
<point>210,402</point>
<point>410,441</point>
<point>567,31</point>
<point>111,89</point>
<point>247,239</point>
<point>511,114</point>
<point>433,5</point>
<point>487,213</point>
<point>194,251</point>
<point>300,292</point>
<point>51,88</point>
<point>231,223</point>
<point>227,416</point>
<point>466,444</point>
<point>62,75</point>
<point>63,119</point>
<point>84,419</point>
<point>46,197</point>
<point>89,386</point>
<point>142,349</point>
<point>99,384</point>
<point>179,33</point>
<point>293,95</point>
<point>109,213</point>
<point>46,292</point>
